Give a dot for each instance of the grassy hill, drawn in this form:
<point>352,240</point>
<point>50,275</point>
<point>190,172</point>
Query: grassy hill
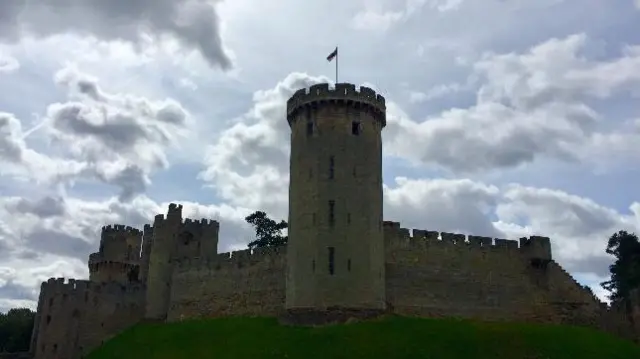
<point>394,337</point>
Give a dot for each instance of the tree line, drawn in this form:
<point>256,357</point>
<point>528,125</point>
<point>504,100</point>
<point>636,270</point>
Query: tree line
<point>16,325</point>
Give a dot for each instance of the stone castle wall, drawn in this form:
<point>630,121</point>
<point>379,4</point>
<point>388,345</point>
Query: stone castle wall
<point>480,278</point>
<point>236,283</point>
<point>427,274</point>
<point>77,316</point>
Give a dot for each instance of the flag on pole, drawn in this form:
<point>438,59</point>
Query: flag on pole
<point>333,54</point>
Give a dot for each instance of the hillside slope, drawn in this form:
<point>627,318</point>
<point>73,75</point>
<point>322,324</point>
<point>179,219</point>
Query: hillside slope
<point>394,337</point>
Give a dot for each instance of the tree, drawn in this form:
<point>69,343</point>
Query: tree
<point>625,271</point>
<point>268,231</point>
<point>15,330</point>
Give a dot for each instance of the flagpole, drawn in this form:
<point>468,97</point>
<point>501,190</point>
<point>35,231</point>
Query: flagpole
<point>337,55</point>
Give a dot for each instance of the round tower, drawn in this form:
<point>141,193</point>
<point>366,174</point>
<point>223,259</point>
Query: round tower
<point>118,258</point>
<point>335,251</point>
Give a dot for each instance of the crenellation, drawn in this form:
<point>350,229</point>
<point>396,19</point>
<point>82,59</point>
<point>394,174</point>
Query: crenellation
<point>432,236</point>
<point>345,93</point>
<point>500,243</point>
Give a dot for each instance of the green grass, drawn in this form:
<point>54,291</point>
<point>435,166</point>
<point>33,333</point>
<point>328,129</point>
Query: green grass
<point>394,337</point>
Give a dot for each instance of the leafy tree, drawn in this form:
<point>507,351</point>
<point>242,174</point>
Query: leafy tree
<point>268,231</point>
<point>625,271</point>
<point>15,330</point>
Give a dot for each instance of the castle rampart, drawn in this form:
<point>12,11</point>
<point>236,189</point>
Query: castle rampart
<point>236,283</point>
<point>427,273</point>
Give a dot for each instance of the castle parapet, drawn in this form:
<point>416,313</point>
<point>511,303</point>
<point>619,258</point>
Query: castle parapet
<point>535,247</point>
<point>233,260</point>
<point>342,93</point>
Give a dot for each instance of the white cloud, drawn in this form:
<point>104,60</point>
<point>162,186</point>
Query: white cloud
<point>248,165</point>
<point>8,64</point>
<point>530,106</point>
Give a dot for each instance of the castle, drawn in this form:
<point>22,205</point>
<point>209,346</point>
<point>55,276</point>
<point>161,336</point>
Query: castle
<point>342,259</point>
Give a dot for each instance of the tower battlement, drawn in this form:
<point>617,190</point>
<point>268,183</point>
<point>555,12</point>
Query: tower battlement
<point>201,223</point>
<point>342,93</point>
<point>120,229</point>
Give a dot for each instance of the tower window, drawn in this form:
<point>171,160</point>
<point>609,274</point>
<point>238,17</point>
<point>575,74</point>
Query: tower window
<point>332,217</point>
<point>332,253</point>
<point>313,218</point>
<point>313,266</point>
<point>309,128</point>
<point>348,218</point>
<point>349,264</point>
<point>355,128</point>
<point>331,166</point>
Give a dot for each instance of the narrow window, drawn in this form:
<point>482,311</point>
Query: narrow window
<point>309,128</point>
<point>354,171</point>
<point>332,253</point>
<point>309,122</point>
<point>348,218</point>
<point>313,266</point>
<point>55,348</point>
<point>48,319</point>
<point>313,218</point>
<point>332,217</point>
<point>355,128</point>
<point>349,264</point>
<point>331,165</point>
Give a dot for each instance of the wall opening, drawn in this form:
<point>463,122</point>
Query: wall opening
<point>55,348</point>
<point>355,128</point>
<point>48,319</point>
<point>349,264</point>
<point>310,173</point>
<point>313,218</point>
<point>348,218</point>
<point>313,266</point>
<point>331,166</point>
<point>332,218</point>
<point>332,253</point>
<point>309,122</point>
<point>309,128</point>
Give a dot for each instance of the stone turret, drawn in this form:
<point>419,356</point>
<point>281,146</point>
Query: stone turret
<point>336,243</point>
<point>118,258</point>
<point>165,232</point>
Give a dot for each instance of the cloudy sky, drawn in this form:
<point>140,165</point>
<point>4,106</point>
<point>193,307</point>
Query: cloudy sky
<point>505,118</point>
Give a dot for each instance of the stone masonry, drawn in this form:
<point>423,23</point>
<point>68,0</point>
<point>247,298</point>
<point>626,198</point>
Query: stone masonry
<point>341,259</point>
